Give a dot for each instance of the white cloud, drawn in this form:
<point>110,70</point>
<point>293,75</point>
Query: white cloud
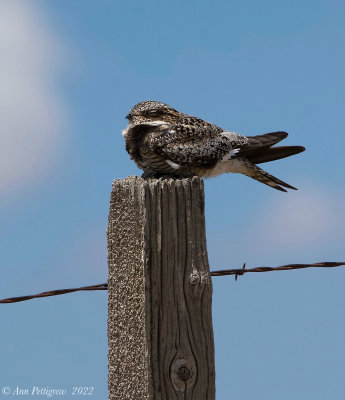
<point>295,227</point>
<point>31,112</point>
<point>300,221</point>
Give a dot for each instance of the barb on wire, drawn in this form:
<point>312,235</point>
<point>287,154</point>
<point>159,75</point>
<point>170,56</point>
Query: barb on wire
<point>237,272</point>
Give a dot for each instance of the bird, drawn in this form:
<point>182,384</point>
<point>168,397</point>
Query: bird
<point>164,142</point>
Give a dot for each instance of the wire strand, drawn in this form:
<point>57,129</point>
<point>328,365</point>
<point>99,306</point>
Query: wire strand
<point>237,272</point>
<point>101,286</point>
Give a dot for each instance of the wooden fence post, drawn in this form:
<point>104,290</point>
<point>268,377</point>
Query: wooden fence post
<point>159,324</point>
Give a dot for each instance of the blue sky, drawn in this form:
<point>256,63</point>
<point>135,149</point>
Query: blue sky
<point>70,73</point>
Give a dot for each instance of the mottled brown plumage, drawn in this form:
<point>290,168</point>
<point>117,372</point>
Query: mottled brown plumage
<point>163,141</point>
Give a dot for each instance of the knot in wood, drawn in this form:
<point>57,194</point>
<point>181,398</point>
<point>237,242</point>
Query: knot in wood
<point>184,373</point>
<point>194,278</point>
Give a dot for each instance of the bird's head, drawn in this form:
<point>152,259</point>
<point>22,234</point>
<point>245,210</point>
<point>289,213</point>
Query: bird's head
<point>152,113</point>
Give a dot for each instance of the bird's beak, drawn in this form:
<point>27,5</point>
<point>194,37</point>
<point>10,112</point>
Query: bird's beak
<point>128,116</point>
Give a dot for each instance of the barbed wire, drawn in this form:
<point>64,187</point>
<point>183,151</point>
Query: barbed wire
<point>237,272</point>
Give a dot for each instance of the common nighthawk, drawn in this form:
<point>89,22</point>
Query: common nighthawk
<point>164,141</point>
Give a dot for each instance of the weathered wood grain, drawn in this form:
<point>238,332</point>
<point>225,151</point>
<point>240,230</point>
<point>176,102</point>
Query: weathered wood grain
<point>159,323</point>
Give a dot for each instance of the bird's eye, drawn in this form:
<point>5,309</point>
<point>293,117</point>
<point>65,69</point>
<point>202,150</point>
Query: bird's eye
<point>153,113</point>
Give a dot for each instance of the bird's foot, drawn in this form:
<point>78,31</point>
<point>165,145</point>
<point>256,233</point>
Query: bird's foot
<point>156,175</point>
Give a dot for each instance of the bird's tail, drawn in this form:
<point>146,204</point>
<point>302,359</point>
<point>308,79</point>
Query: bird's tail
<point>255,172</point>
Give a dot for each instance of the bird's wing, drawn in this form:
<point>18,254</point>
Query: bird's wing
<point>274,153</point>
<point>260,148</point>
<point>259,143</point>
<point>192,142</point>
